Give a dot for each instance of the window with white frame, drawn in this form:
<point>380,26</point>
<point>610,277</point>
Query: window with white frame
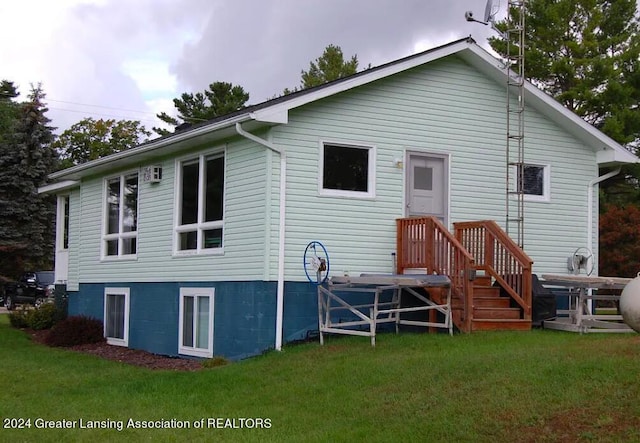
<point>62,223</point>
<point>200,204</point>
<point>347,170</point>
<point>535,182</point>
<point>116,316</point>
<point>196,322</point>
<point>121,216</point>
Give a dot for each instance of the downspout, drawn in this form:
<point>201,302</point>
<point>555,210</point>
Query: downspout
<point>281,228</point>
<point>591,185</point>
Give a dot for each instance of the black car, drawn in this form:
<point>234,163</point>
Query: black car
<point>34,288</point>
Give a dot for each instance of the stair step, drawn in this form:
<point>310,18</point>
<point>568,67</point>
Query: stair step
<point>485,291</point>
<point>482,280</point>
<point>491,313</point>
<point>500,325</point>
<point>491,302</point>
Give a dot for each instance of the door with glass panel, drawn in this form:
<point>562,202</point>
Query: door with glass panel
<point>427,186</point>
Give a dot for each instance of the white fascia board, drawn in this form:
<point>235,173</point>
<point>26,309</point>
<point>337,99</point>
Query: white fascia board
<point>86,168</point>
<point>55,188</point>
<point>607,157</point>
<point>268,115</point>
<point>358,80</point>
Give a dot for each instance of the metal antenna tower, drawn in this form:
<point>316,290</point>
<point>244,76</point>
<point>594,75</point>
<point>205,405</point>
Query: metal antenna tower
<point>514,69</point>
<point>514,36</point>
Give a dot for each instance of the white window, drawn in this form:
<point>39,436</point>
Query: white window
<point>200,204</point>
<point>536,182</point>
<point>196,322</point>
<point>120,228</point>
<point>62,223</point>
<point>116,316</point>
<point>347,170</point>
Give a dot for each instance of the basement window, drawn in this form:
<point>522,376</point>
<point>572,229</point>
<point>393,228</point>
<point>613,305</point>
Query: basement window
<point>347,170</point>
<point>116,316</point>
<point>195,335</point>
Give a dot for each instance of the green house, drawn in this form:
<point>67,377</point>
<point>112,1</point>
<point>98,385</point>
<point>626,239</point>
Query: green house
<point>192,244</point>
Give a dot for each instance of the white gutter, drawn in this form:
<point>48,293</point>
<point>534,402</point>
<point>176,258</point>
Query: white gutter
<point>591,185</point>
<point>149,146</point>
<point>281,228</point>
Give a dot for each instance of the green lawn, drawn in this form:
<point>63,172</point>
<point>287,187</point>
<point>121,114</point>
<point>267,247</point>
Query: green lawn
<point>533,386</point>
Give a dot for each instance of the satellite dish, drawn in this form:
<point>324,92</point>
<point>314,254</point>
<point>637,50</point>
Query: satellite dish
<point>490,12</point>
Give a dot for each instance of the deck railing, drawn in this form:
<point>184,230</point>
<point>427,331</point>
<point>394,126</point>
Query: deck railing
<point>425,243</point>
<point>500,257</point>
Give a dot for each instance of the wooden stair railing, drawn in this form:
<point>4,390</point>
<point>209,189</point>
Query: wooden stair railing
<point>500,257</point>
<point>425,243</point>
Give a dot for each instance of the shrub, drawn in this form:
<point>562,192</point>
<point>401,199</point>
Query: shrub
<point>18,319</point>
<point>76,330</point>
<point>214,362</point>
<point>44,317</point>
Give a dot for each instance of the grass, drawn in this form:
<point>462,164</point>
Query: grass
<point>533,386</point>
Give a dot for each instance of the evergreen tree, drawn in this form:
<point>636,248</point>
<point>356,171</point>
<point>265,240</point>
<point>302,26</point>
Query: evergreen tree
<point>220,99</point>
<point>586,54</point>
<point>330,66</point>
<point>26,158</point>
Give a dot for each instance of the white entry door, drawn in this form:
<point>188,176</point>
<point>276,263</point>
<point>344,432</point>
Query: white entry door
<point>427,186</point>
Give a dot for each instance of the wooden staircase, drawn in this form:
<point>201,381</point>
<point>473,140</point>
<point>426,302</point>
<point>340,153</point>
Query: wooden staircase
<point>490,274</point>
<point>493,311</point>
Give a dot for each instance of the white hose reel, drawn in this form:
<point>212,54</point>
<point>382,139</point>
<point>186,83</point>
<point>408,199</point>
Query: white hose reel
<point>582,258</point>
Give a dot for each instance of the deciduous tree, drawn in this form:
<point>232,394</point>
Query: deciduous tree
<point>90,139</point>
<point>620,241</point>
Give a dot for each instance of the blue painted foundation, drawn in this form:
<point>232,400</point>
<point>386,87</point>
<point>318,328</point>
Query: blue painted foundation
<point>244,314</point>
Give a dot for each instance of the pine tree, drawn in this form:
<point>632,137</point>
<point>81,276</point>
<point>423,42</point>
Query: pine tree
<point>26,157</point>
<point>220,99</point>
<point>330,66</point>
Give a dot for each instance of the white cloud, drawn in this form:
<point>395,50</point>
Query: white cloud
<point>152,77</point>
<point>128,59</point>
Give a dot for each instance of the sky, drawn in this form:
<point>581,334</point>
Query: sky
<point>127,59</point>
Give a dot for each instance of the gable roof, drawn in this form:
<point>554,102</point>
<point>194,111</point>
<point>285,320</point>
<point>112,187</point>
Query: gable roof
<point>276,111</point>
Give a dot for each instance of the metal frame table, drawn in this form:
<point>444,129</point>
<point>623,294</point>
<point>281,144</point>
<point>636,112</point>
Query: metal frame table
<point>580,316</point>
<point>379,312</point>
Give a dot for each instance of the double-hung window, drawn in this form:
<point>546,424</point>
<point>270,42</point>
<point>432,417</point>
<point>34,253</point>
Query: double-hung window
<point>200,204</point>
<point>196,322</point>
<point>121,216</point>
<point>347,170</point>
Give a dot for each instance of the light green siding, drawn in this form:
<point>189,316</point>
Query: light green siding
<point>74,239</point>
<point>446,107</point>
<point>244,229</point>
